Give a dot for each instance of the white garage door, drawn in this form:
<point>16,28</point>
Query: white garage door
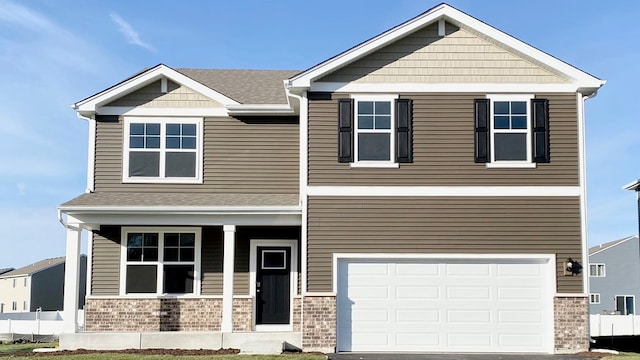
<point>445,305</point>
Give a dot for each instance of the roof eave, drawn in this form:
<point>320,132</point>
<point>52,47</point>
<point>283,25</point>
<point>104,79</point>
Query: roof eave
<point>114,209</point>
<point>261,110</point>
<point>634,185</point>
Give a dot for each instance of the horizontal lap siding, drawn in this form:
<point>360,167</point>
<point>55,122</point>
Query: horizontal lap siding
<point>212,258</point>
<point>444,147</point>
<point>239,157</point>
<point>476,225</point>
<point>105,261</point>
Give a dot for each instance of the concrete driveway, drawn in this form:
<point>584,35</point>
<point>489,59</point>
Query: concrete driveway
<point>404,356</point>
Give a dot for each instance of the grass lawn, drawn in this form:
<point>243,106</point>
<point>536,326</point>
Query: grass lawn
<point>23,351</point>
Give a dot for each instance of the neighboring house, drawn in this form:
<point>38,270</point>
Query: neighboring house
<point>37,286</point>
<point>614,277</point>
<point>421,191</point>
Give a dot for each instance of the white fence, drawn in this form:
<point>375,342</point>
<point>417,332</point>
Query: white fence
<point>614,325</point>
<point>44,323</point>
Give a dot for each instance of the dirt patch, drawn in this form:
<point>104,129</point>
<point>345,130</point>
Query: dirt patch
<point>593,355</point>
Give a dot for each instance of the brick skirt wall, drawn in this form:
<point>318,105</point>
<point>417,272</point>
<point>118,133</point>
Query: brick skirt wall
<point>147,315</point>
<point>319,323</point>
<point>571,323</point>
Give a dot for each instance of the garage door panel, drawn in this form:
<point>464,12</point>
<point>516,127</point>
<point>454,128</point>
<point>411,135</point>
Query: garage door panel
<point>468,293</point>
<point>417,292</point>
<point>473,270</point>
<point>422,317</point>
<point>444,306</point>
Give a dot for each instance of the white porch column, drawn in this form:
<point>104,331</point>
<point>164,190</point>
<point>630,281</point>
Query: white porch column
<point>227,278</point>
<point>72,280</point>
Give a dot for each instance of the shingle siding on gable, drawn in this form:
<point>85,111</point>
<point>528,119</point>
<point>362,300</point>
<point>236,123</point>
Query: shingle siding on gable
<point>471,225</point>
<point>177,96</point>
<point>443,147</point>
<point>239,157</point>
<point>459,57</point>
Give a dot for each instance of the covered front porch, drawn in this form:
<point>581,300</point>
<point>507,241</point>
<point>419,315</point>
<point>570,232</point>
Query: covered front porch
<point>217,274</point>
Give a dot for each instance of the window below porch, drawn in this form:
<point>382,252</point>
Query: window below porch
<point>160,261</point>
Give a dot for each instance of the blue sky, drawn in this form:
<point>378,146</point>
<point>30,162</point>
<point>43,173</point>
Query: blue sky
<point>54,53</point>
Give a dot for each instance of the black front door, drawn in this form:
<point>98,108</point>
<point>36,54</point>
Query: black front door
<point>273,285</point>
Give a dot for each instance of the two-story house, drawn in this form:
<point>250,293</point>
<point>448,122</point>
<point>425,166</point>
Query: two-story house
<point>38,286</point>
<point>421,191</point>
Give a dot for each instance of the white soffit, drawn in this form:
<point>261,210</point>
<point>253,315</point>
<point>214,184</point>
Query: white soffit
<point>90,104</point>
<point>583,80</point>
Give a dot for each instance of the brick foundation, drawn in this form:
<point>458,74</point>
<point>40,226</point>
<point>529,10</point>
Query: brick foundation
<point>571,323</point>
<point>319,324</point>
<point>242,314</point>
<point>297,313</point>
<point>147,315</point>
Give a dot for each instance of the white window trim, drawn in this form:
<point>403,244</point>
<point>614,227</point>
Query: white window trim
<point>507,163</point>
<point>625,302</point>
<point>160,264</point>
<point>284,254</point>
<point>198,121</point>
<point>594,298</point>
<point>604,272</point>
<point>391,163</point>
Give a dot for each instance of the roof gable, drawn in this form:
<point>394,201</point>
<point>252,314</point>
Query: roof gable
<point>90,105</point>
<point>583,81</point>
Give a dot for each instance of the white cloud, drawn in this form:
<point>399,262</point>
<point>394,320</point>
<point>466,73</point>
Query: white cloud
<point>129,32</point>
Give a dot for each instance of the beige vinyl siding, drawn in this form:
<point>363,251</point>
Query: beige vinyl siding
<point>177,96</point>
<point>259,156</point>
<point>469,225</point>
<point>458,57</point>
<point>211,261</point>
<point>105,261</point>
<point>443,147</point>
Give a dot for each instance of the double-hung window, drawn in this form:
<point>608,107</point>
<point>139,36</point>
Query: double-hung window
<point>163,150</point>
<point>160,261</point>
<point>597,270</point>
<point>375,131</point>
<point>511,131</point>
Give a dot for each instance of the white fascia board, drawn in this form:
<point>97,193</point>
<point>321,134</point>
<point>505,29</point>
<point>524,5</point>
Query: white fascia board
<point>260,109</point>
<point>441,87</point>
<point>435,191</point>
<point>164,112</point>
<point>584,81</point>
<point>294,209</point>
<point>634,185</point>
<point>161,71</point>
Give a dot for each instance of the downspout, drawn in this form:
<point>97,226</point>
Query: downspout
<point>583,187</point>
<point>302,168</point>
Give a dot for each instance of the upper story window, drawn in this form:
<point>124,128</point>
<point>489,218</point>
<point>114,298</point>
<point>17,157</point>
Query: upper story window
<point>596,270</point>
<point>511,131</point>
<point>160,261</point>
<point>375,131</point>
<point>162,150</point>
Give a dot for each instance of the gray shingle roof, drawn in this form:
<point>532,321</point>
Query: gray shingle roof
<point>181,199</point>
<point>5,270</point>
<point>244,86</point>
<point>609,244</point>
<point>35,267</point>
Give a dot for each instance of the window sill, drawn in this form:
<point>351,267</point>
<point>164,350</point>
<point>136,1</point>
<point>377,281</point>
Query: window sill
<point>161,181</point>
<point>374,165</point>
<point>515,165</point>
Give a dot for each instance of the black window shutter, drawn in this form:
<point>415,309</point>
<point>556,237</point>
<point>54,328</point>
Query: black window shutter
<point>404,130</point>
<point>482,136</point>
<point>345,130</point>
<point>540,119</point>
